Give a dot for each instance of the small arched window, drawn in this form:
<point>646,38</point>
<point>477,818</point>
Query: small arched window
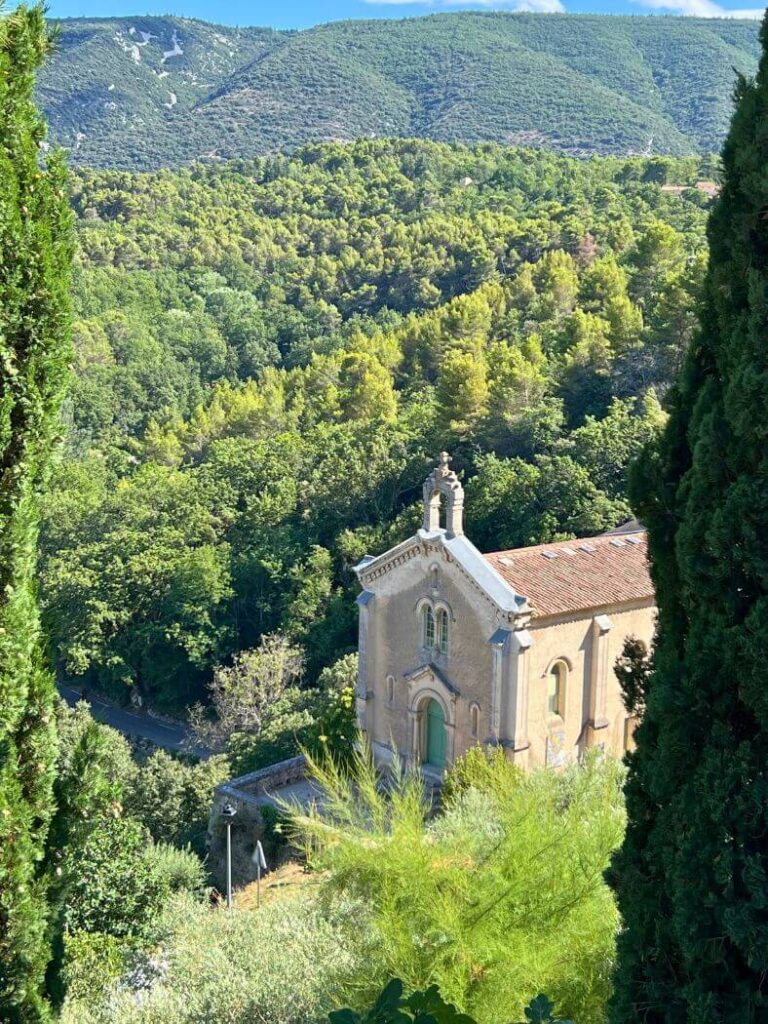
<point>556,688</point>
<point>474,720</point>
<point>442,631</point>
<point>390,688</point>
<point>429,627</point>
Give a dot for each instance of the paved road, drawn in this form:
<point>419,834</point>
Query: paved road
<point>164,734</point>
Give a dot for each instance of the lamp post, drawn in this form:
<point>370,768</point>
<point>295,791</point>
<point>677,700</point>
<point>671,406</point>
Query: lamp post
<point>228,812</point>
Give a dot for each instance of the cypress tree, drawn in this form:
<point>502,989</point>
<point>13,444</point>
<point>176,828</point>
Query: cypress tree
<point>692,875</point>
<point>35,256</point>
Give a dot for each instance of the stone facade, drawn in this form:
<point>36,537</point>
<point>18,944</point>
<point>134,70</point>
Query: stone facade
<point>455,652</point>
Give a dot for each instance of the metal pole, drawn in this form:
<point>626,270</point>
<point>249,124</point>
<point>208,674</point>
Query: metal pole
<point>258,885</point>
<point>229,865</point>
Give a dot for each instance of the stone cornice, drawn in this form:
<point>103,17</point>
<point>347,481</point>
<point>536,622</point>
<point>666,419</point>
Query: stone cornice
<point>510,608</point>
<point>583,614</point>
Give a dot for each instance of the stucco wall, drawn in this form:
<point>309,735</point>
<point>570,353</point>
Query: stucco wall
<point>392,639</point>
<point>573,640</point>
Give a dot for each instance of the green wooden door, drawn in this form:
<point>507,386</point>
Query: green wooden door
<point>435,735</point>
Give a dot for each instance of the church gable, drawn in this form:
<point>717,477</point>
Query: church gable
<point>447,543</point>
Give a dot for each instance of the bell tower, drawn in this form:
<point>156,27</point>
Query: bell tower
<point>441,483</point>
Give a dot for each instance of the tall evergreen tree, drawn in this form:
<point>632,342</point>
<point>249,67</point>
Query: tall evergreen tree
<point>35,256</point>
<point>692,876</point>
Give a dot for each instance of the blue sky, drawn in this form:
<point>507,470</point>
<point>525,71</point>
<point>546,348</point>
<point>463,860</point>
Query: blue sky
<point>303,13</point>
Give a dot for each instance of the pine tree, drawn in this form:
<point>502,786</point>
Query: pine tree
<point>692,876</point>
<point>35,256</point>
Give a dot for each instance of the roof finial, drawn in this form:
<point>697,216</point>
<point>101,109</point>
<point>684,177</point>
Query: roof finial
<point>442,481</point>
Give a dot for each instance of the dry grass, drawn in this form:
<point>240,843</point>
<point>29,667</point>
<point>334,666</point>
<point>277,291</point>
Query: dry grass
<point>286,880</point>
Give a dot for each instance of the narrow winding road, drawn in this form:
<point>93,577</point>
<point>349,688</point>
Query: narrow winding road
<point>169,735</point>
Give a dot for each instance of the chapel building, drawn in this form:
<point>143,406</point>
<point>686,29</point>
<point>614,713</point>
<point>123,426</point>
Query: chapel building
<point>513,648</point>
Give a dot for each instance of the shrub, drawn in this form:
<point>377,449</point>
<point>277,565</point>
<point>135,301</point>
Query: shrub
<point>430,1008</point>
<point>178,870</point>
<point>172,798</point>
<point>320,719</point>
<point>483,768</point>
<point>336,729</point>
<point>280,965</point>
<point>291,725</point>
<point>499,898</point>
<point>115,757</point>
<point>167,794</point>
<point>92,962</point>
<point>115,888</point>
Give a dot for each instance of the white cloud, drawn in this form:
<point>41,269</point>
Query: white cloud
<point>535,6</point>
<point>702,9</point>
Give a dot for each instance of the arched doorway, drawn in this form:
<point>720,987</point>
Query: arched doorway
<point>434,746</point>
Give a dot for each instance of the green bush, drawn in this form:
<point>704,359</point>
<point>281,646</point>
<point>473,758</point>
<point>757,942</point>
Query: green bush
<point>321,719</point>
<point>115,886</point>
<point>336,718</point>
<point>292,726</point>
<point>172,797</point>
<point>499,898</point>
<point>480,768</point>
<point>169,795</point>
<point>430,1008</point>
<point>92,963</point>
<point>120,880</point>
<point>178,870</point>
<point>280,965</point>
<point>116,759</point>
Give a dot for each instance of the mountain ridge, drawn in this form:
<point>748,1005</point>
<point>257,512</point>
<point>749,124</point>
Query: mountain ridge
<point>148,92</point>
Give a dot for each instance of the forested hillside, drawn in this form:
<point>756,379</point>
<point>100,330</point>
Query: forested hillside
<point>269,354</point>
<point>141,93</point>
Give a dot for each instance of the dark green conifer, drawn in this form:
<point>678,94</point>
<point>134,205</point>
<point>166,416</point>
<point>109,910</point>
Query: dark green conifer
<point>35,256</point>
<point>692,876</point>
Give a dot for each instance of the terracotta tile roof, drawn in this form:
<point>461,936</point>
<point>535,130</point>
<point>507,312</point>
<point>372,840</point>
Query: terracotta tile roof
<point>575,575</point>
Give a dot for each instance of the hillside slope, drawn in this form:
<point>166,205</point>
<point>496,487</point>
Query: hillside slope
<point>150,92</point>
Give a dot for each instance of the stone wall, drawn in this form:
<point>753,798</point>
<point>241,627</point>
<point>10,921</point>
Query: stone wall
<point>249,795</point>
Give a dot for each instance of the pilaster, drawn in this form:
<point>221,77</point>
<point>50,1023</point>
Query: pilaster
<point>510,691</point>
<point>364,689</point>
<point>598,688</point>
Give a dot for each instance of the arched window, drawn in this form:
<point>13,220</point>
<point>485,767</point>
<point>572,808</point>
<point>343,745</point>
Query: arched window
<point>442,630</point>
<point>390,688</point>
<point>474,720</point>
<point>556,688</point>
<point>429,627</point>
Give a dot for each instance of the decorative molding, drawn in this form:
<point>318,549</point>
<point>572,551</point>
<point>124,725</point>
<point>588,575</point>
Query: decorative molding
<point>391,560</point>
<point>560,657</point>
<point>431,669</point>
<point>583,614</point>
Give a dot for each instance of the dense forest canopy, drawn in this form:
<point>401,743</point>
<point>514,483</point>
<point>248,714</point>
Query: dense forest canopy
<point>150,92</point>
<point>270,353</point>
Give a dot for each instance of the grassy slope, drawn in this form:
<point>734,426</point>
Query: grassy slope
<point>580,83</point>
